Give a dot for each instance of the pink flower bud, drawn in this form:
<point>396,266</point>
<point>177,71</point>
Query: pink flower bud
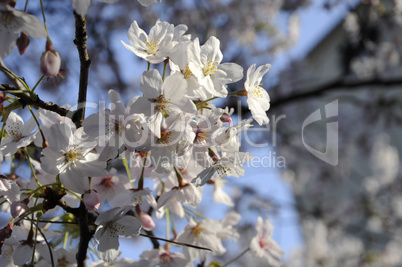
<point>146,220</point>
<point>91,200</point>
<point>226,118</point>
<point>18,208</point>
<point>22,43</point>
<point>50,63</point>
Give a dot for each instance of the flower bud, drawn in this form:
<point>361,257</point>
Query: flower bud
<point>146,220</point>
<point>50,63</point>
<point>241,93</point>
<point>18,208</point>
<point>91,200</point>
<point>226,118</point>
<point>23,43</point>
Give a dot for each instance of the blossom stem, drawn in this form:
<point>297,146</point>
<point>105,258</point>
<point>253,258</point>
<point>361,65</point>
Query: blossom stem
<point>173,227</point>
<point>40,128</point>
<point>239,93</point>
<point>15,91</point>
<point>22,217</point>
<point>13,164</point>
<point>74,194</point>
<point>34,243</point>
<point>164,68</point>
<point>213,155</point>
<point>175,242</point>
<point>38,82</point>
<point>194,212</point>
<point>39,188</point>
<point>141,181</point>
<point>238,257</point>
<point>212,98</point>
<point>149,66</point>
<point>206,101</point>
<point>65,240</point>
<point>179,178</point>
<point>9,72</point>
<point>44,19</point>
<point>2,131</point>
<point>47,243</point>
<point>26,5</point>
<point>167,224</point>
<point>125,164</point>
<point>30,165</point>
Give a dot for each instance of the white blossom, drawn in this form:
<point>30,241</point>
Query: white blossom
<point>111,225</point>
<point>263,246</point>
<point>14,21</point>
<point>257,98</point>
<point>19,134</point>
<point>70,157</point>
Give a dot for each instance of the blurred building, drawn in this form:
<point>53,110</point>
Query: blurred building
<point>344,98</point>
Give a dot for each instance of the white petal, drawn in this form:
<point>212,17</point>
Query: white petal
<point>151,83</point>
<point>108,247</point>
<point>81,6</point>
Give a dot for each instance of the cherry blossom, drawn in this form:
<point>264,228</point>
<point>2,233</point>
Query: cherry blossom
<point>81,6</point>
<point>161,98</point>
<point>154,47</point>
<point>213,75</point>
<point>257,97</point>
<point>208,233</point>
<point>13,22</point>
<point>70,157</point>
<point>116,128</point>
<point>111,225</point>
<point>263,246</point>
<point>162,257</point>
<point>19,134</point>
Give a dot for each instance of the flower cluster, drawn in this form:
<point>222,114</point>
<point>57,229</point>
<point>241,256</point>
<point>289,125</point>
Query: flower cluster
<point>172,140</point>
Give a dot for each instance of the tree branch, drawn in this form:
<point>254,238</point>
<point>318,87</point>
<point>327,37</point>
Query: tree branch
<point>81,42</point>
<point>25,100</point>
<point>336,85</point>
<point>85,235</point>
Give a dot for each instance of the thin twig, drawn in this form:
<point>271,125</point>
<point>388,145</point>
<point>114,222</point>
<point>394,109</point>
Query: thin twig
<point>177,243</point>
<point>336,85</point>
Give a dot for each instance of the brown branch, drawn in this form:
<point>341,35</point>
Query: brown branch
<point>65,207</point>
<point>25,100</point>
<point>85,235</point>
<point>336,85</point>
<point>81,42</point>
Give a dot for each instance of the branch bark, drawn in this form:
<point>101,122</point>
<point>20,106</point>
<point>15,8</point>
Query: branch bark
<point>25,100</point>
<point>336,85</point>
<point>81,42</point>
